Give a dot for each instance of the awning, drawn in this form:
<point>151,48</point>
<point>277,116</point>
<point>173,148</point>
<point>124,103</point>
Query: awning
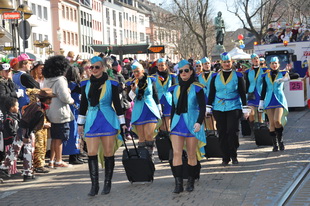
<point>130,49</point>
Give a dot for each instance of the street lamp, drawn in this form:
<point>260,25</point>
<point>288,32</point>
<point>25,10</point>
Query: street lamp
<point>44,44</point>
<point>6,6</point>
<point>25,9</point>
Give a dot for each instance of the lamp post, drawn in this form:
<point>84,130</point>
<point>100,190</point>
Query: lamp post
<point>25,13</point>
<point>44,44</point>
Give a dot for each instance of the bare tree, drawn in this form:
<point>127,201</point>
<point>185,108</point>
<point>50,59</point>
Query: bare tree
<point>195,14</point>
<point>256,15</point>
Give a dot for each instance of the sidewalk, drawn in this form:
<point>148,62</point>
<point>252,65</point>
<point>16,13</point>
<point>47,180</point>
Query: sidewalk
<point>261,178</point>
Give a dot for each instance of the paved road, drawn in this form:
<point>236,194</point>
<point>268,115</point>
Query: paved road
<point>261,178</point>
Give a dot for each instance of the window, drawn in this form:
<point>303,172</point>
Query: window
<point>108,35</point>
<point>40,37</point>
<point>45,37</point>
<point>141,20</point>
<point>71,14</point>
<point>64,37</point>
<point>82,18</point>
<point>87,21</point>
<point>121,37</point>
<point>75,17</point>
<point>76,39</point>
<point>141,36</point>
<point>34,38</point>
<point>72,38</point>
<point>39,12</point>
<point>108,16</point>
<point>115,36</point>
<point>114,18</point>
<point>44,13</point>
<point>120,18</point>
<point>67,12</point>
<point>33,8</point>
<point>68,40</point>
<point>63,12</point>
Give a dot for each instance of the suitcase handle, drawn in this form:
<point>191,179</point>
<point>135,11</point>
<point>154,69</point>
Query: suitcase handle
<point>163,118</point>
<point>134,144</point>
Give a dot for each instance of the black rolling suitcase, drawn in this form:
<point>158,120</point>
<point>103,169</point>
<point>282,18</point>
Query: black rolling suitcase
<point>185,165</point>
<point>163,144</point>
<point>138,164</point>
<point>261,134</point>
<point>245,127</point>
<point>213,148</point>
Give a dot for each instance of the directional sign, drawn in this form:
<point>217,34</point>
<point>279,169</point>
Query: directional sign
<point>11,15</point>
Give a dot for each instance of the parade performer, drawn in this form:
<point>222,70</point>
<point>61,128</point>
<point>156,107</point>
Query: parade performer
<point>205,79</point>
<point>273,101</point>
<point>164,80</point>
<point>32,120</point>
<point>188,111</point>
<point>198,66</point>
<point>227,95</point>
<point>146,111</point>
<point>254,83</point>
<point>99,122</point>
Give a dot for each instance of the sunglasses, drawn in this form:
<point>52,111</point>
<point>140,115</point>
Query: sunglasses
<point>185,70</point>
<point>198,65</point>
<point>94,67</point>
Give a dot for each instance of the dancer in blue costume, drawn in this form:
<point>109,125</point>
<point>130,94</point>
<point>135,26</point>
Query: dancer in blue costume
<point>164,80</point>
<point>188,111</point>
<point>227,95</point>
<point>274,102</point>
<point>101,122</point>
<point>254,84</point>
<point>71,146</point>
<point>205,79</point>
<point>146,111</point>
<point>198,67</point>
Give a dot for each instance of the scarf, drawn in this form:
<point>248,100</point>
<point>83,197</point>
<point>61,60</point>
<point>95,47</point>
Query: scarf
<point>273,74</point>
<point>95,90</point>
<point>142,84</point>
<point>206,73</point>
<point>164,75</point>
<point>182,102</point>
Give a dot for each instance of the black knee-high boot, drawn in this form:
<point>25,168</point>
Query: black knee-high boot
<point>109,167</point>
<point>191,178</point>
<point>279,132</point>
<point>93,173</point>
<point>274,141</point>
<point>178,176</point>
<point>150,146</point>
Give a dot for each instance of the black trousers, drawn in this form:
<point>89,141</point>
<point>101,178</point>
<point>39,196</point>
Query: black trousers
<point>227,124</point>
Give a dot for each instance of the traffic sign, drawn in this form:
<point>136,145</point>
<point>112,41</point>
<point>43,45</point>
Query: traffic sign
<point>24,29</point>
<point>11,15</point>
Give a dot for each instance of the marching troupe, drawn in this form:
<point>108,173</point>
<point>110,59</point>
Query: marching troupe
<point>97,105</point>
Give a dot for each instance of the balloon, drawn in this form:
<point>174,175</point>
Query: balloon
<point>242,46</point>
<point>240,36</point>
<point>241,42</point>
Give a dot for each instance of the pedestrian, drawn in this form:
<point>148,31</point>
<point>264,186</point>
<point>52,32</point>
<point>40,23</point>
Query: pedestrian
<point>227,98</point>
<point>32,120</point>
<point>146,111</point>
<point>72,146</point>
<point>98,94</point>
<point>36,72</point>
<point>254,84</point>
<point>205,79</point>
<point>23,80</point>
<point>59,112</point>
<point>188,111</point>
<point>164,80</point>
<point>273,101</point>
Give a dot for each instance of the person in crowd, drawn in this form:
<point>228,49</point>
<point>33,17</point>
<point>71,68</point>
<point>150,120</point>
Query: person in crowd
<point>286,34</point>
<point>10,127</point>
<point>270,38</point>
<point>198,66</point>
<point>7,86</point>
<point>164,80</point>
<point>188,111</point>
<point>305,36</point>
<point>40,136</point>
<point>254,83</point>
<point>14,64</point>
<point>23,80</point>
<point>262,63</point>
<point>36,72</point>
<point>59,112</point>
<point>32,120</point>
<point>205,79</point>
<point>71,147</point>
<point>226,97</point>
<point>86,71</point>
<point>273,101</point>
<point>146,111</point>
<point>98,94</point>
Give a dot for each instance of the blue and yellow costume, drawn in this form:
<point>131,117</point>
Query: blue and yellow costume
<point>162,85</point>
<point>205,78</point>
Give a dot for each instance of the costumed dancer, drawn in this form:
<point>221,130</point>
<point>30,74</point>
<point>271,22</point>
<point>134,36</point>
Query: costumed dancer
<point>99,122</point>
<point>205,79</point>
<point>198,66</point>
<point>146,112</point>
<point>254,83</point>
<point>273,101</point>
<point>227,95</point>
<point>188,111</point>
<point>164,80</point>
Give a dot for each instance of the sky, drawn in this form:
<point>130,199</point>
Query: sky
<point>232,23</point>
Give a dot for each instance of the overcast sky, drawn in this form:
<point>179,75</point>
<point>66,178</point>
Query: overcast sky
<point>231,21</point>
